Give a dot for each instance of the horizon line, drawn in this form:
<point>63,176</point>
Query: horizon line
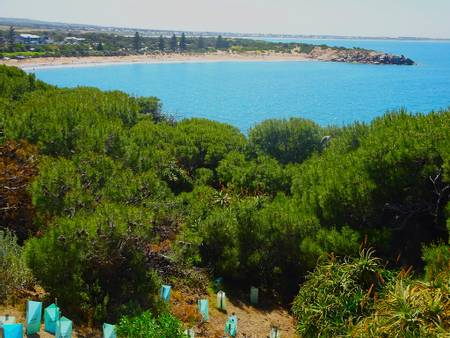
<point>285,35</point>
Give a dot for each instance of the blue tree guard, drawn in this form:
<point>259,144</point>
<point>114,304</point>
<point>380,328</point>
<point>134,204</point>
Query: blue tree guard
<point>275,332</point>
<point>254,295</point>
<point>13,330</point>
<point>51,317</point>
<point>164,293</point>
<point>34,317</point>
<point>231,326</point>
<point>109,331</point>
<point>221,301</point>
<point>203,309</point>
<point>64,328</point>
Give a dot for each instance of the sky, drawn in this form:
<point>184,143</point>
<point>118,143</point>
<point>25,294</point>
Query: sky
<point>392,18</point>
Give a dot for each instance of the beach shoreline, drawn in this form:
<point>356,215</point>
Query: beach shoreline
<point>56,62</point>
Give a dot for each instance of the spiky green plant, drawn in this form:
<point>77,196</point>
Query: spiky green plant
<point>336,295</point>
<point>409,309</point>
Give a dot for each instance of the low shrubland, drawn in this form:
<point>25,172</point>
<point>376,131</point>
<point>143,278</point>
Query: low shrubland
<point>116,197</point>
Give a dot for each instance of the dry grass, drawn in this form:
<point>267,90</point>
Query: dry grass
<point>184,307</point>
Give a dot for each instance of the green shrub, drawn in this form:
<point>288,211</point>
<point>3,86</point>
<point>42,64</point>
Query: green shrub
<point>336,295</point>
<point>220,244</point>
<point>381,177</point>
<point>14,83</point>
<point>150,106</point>
<point>204,143</point>
<point>345,241</point>
<point>67,121</point>
<point>288,141</point>
<point>408,309</point>
<point>66,186</point>
<point>262,175</point>
<point>437,261</point>
<point>96,264</point>
<point>255,241</point>
<point>14,273</point>
<point>146,325</point>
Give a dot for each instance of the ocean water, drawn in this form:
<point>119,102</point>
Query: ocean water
<point>245,93</point>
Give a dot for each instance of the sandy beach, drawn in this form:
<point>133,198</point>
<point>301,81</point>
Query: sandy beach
<point>44,62</point>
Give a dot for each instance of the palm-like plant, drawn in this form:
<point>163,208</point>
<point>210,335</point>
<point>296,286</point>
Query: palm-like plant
<point>409,309</point>
<point>337,295</point>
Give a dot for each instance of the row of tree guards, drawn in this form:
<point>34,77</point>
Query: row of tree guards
<point>61,326</point>
<point>54,323</point>
<point>221,304</point>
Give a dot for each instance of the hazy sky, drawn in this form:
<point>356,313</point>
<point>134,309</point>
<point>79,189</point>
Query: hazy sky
<point>424,18</point>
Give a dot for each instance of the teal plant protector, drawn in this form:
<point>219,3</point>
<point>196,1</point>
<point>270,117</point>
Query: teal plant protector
<point>34,317</point>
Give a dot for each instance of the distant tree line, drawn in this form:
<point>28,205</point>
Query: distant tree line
<point>110,44</point>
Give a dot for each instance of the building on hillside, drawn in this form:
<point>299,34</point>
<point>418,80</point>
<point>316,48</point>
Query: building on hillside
<point>31,39</point>
<point>72,40</point>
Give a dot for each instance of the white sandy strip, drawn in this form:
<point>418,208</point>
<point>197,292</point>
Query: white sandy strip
<point>37,63</point>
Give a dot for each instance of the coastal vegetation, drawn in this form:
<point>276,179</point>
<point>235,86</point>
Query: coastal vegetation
<point>103,197</point>
<point>63,44</point>
<point>59,43</point>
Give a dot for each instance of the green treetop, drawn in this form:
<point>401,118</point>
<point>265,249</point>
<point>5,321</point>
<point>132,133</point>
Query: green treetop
<point>11,36</point>
<point>173,43</point>
<point>221,43</point>
<point>201,43</point>
<point>137,41</point>
<point>183,44</point>
<point>161,43</point>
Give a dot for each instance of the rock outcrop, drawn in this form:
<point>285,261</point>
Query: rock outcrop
<point>359,56</point>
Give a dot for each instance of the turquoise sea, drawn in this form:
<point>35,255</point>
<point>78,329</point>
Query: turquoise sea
<point>244,93</point>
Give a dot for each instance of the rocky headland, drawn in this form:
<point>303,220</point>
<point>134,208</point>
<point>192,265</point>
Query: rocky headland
<point>358,56</point>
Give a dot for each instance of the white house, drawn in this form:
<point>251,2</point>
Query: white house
<point>31,39</point>
<point>73,40</point>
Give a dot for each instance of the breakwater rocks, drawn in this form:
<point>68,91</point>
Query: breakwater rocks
<point>359,56</point>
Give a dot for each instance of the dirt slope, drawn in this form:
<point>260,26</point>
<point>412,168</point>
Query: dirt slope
<point>253,322</point>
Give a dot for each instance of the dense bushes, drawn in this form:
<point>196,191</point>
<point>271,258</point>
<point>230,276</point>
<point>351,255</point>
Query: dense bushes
<point>14,83</point>
<point>95,264</point>
<point>262,175</point>
<point>390,177</point>
<point>292,140</point>
<point>64,121</point>
<point>111,182</point>
<point>256,241</point>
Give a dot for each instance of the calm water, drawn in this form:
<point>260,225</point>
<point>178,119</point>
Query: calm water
<point>244,93</point>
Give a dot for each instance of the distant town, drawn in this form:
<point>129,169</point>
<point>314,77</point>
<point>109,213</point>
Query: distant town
<point>45,25</point>
<point>24,39</point>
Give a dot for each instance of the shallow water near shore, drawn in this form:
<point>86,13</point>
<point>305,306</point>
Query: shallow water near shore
<point>245,93</point>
